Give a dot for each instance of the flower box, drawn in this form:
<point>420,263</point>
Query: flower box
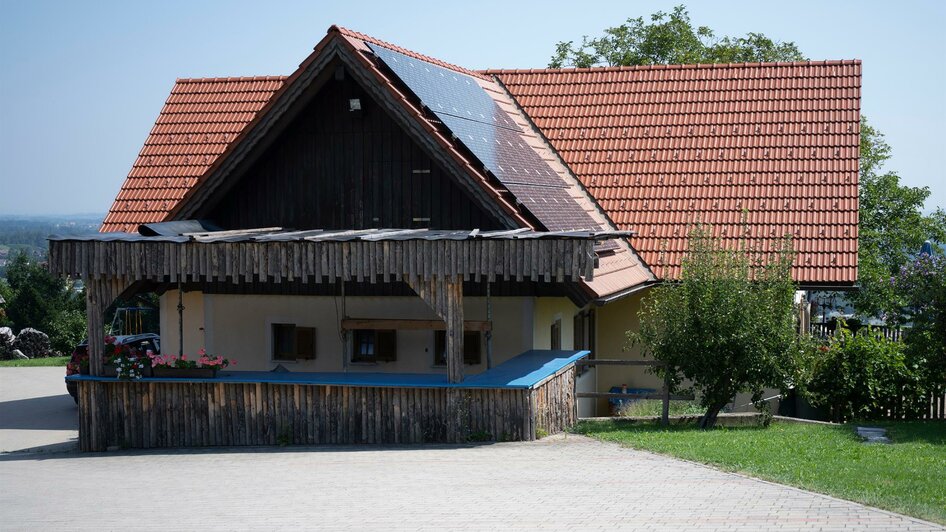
<point>183,373</point>
<point>110,370</point>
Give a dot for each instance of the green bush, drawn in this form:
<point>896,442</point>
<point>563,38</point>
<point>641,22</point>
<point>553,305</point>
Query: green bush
<point>860,375</point>
<point>67,331</point>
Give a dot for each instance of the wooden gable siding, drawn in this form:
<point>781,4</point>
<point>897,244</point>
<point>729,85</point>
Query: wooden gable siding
<point>333,168</point>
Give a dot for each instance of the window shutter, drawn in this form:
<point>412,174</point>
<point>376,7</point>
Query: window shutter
<point>305,343</point>
<point>471,347</point>
<point>386,345</point>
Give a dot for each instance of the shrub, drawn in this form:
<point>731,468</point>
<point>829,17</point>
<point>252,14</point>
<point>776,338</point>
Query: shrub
<point>67,331</point>
<point>859,375</point>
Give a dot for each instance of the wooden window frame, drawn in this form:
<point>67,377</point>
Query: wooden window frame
<point>471,355</point>
<point>299,342</point>
<point>383,344</point>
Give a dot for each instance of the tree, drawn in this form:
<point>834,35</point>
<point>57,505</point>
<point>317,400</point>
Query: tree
<point>727,326</point>
<point>38,299</point>
<point>669,38</point>
<point>920,299</point>
<point>892,226</point>
<point>6,294</point>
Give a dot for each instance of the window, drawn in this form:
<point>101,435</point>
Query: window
<point>291,342</point>
<point>584,335</point>
<point>556,334</point>
<point>374,345</point>
<point>471,347</point>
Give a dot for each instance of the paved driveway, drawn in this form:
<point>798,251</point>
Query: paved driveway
<point>558,483</point>
<point>35,410</point>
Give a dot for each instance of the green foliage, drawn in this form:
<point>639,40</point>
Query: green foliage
<point>892,226</point>
<point>920,299</point>
<point>727,326</point>
<point>858,376</point>
<point>39,300</point>
<point>6,295</point>
<point>904,477</point>
<point>669,38</point>
<point>67,331</point>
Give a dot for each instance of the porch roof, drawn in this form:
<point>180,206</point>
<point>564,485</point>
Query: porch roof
<point>524,371</point>
<point>371,254</point>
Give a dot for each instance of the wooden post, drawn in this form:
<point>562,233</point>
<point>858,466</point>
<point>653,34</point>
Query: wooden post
<point>489,333</point>
<point>665,412</point>
<point>99,294</point>
<point>445,296</point>
<point>180,318</point>
<point>454,332</point>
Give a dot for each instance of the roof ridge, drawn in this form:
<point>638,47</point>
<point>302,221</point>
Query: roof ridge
<point>690,66</point>
<point>373,40</point>
<point>232,78</point>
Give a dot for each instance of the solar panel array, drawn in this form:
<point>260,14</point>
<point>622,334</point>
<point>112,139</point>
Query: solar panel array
<point>474,118</point>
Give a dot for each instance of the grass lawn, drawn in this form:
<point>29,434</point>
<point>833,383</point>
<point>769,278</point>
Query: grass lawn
<point>908,476</point>
<point>34,362</point>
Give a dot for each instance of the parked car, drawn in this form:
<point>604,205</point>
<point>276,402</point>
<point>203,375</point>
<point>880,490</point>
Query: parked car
<point>141,342</point>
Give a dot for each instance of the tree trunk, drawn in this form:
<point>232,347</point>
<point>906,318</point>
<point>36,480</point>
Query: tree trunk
<point>708,420</point>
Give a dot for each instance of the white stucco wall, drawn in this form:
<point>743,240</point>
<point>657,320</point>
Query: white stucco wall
<point>547,310</point>
<point>239,327</point>
<point>194,328</point>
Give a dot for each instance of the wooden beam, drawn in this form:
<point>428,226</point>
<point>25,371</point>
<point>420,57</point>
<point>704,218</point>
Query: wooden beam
<point>608,395</point>
<point>349,324</point>
<point>274,261</point>
<point>618,362</point>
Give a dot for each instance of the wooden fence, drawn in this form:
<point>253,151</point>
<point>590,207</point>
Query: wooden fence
<point>935,408</point>
<point>827,330</point>
<point>664,394</point>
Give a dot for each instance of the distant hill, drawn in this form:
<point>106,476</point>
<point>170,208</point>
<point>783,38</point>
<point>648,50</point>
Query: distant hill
<point>29,233</point>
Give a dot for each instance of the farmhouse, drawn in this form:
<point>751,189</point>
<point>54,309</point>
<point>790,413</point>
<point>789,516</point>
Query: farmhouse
<point>424,252</point>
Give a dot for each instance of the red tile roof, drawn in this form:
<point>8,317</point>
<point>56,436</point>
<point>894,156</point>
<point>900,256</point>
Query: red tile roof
<point>661,147</point>
<point>199,120</point>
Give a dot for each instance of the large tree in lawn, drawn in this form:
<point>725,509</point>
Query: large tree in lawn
<point>727,326</point>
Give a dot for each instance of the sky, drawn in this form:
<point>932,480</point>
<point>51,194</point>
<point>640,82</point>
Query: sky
<point>81,83</point>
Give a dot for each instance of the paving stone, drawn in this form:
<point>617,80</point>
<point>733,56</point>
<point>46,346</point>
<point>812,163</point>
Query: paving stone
<point>559,483</point>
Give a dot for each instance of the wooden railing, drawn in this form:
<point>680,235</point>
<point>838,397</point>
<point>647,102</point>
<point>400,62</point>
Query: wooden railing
<point>665,396</point>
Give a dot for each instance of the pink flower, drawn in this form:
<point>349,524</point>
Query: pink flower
<point>202,352</point>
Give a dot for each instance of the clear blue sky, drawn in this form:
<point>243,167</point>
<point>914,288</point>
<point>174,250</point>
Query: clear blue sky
<point>82,82</point>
